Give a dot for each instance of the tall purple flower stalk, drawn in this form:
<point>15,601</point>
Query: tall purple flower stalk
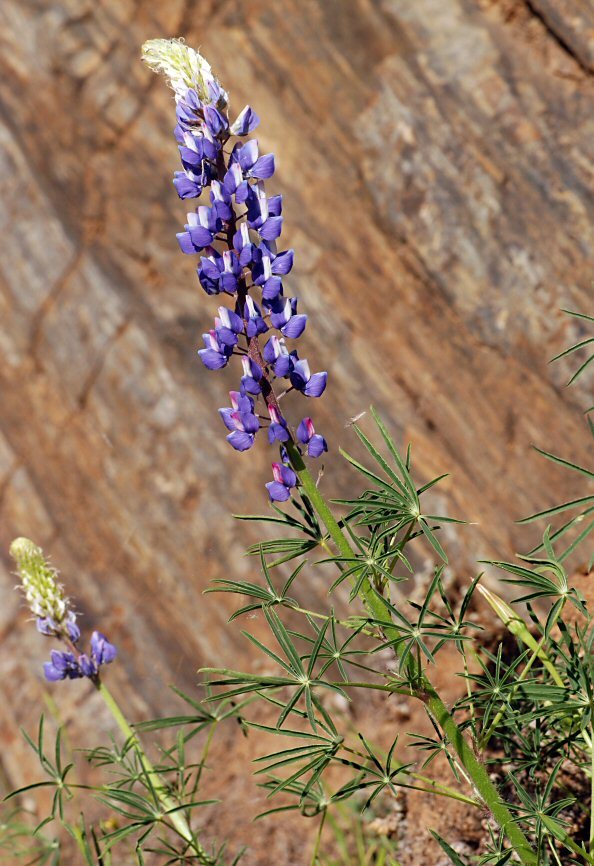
<point>236,237</point>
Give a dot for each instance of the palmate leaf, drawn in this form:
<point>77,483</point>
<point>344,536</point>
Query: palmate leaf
<point>392,505</point>
<point>265,596</point>
<point>302,680</point>
<point>307,525</point>
<point>204,716</point>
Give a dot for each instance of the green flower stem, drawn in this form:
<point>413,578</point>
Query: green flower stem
<point>174,815</point>
<point>424,689</point>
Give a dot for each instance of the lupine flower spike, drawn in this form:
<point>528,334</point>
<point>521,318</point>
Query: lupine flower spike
<point>55,618</point>
<point>235,236</point>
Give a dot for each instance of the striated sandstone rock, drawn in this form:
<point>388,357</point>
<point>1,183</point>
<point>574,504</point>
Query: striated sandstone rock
<point>437,161</point>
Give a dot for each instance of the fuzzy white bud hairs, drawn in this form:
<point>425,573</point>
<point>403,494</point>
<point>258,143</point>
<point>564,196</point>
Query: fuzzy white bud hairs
<point>185,69</point>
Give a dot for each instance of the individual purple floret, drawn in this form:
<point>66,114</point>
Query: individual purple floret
<point>241,421</point>
<point>306,434</point>
<point>312,385</point>
<point>279,490</point>
<point>277,430</point>
<point>235,235</point>
<point>63,665</point>
<point>102,651</point>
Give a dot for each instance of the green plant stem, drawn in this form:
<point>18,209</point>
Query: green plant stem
<point>316,850</point>
<point>157,783</point>
<point>424,689</point>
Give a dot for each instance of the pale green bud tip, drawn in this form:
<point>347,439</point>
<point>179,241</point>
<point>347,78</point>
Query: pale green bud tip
<point>501,608</point>
<point>23,548</point>
<point>183,67</point>
<point>45,596</point>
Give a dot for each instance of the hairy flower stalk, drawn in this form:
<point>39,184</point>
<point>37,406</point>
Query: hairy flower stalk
<point>236,237</point>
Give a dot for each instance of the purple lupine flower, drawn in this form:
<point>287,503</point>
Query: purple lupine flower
<point>102,651</point>
<point>63,665</point>
<point>228,326</point>
<point>277,355</point>
<point>264,214</point>
<point>279,490</point>
<point>55,618</point>
<point>302,380</point>
<point>87,666</point>
<point>268,269</point>
<point>251,164</point>
<point>216,354</point>
<point>219,273</point>
<point>241,421</point>
<point>284,317</point>
<point>252,376</point>
<point>306,434</point>
<point>277,431</point>
<point>189,184</point>
<point>255,324</point>
<point>201,228</point>
<point>244,246</point>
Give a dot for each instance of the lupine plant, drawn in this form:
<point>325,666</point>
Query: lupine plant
<point>519,742</point>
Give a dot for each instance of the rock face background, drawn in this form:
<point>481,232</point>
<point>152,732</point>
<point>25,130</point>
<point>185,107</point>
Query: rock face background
<point>437,161</point>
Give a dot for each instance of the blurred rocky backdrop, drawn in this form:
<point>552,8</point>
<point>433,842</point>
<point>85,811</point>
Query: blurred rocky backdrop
<point>437,160</point>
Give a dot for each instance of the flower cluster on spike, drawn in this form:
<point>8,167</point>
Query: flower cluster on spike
<point>55,617</point>
<point>236,237</point>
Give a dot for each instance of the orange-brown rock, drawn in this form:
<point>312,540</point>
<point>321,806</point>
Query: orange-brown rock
<point>437,164</point>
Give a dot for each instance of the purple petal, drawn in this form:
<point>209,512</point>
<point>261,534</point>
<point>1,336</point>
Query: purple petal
<point>250,422</point>
<point>87,666</point>
<point>246,122</point>
<point>277,491</point>
<point>212,359</point>
<point>185,243</point>
<point>103,651</point>
<point>227,416</point>
<point>316,385</point>
<point>264,167</point>
<point>304,431</point>
<point>272,288</point>
<point>294,327</point>
<point>240,441</point>
<point>52,674</point>
<point>186,188</point>
<point>283,262</point>
<point>271,228</point>
<point>248,154</point>
<point>288,476</point>
<point>317,445</point>
<point>201,236</point>
<point>46,626</point>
